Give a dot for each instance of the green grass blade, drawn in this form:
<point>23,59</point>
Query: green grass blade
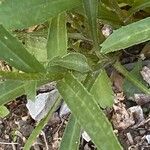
<point>41,125</point>
<point>102,90</point>
<point>57,37</point>
<point>12,51</point>
<point>25,13</point>
<point>127,36</point>
<point>81,103</point>
<point>71,137</point>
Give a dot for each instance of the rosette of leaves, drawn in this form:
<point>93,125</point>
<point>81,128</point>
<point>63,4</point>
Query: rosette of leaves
<point>80,75</point>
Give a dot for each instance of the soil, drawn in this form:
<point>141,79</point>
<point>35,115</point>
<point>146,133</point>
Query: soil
<point>16,128</point>
<point>18,125</point>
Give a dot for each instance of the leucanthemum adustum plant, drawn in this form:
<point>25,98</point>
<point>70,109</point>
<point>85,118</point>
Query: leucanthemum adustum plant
<point>62,41</point>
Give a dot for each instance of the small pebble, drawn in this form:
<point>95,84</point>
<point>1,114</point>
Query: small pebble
<point>148,138</point>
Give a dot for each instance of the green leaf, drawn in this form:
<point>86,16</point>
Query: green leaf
<point>71,137</point>
<point>131,78</point>
<point>129,88</point>
<point>12,51</point>
<point>51,75</point>
<point>9,90</point>
<point>108,16</point>
<point>24,13</point>
<point>129,2</point>
<point>115,6</point>
<point>82,103</point>
<point>139,5</point>
<point>102,90</point>
<point>91,10</point>
<point>57,37</point>
<point>30,89</point>
<point>37,47</point>
<point>55,69</point>
<point>3,111</point>
<point>127,36</point>
<point>41,125</point>
<point>73,61</point>
<point>107,3</point>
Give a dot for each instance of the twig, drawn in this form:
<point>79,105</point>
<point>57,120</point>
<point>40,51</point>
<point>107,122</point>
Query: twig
<point>13,146</point>
<point>7,143</point>
<point>45,140</point>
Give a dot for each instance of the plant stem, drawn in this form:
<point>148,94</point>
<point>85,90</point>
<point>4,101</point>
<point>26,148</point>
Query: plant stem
<point>131,78</point>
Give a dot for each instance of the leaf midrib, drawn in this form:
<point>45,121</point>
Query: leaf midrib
<point>88,111</point>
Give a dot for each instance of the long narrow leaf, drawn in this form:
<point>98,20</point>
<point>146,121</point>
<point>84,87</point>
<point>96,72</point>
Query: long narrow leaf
<point>128,87</point>
<point>51,76</point>
<point>108,16</point>
<point>81,103</point>
<point>24,13</point>
<point>12,51</point>
<point>9,90</point>
<point>131,78</point>
<point>115,6</point>
<point>127,36</point>
<point>102,90</point>
<point>72,132</point>
<point>41,125</point>
<point>30,89</point>
<point>91,10</point>
<point>36,45</point>
<point>71,137</point>
<point>139,5</point>
<point>57,38</point>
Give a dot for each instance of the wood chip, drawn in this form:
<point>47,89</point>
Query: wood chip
<point>121,118</point>
<point>130,139</point>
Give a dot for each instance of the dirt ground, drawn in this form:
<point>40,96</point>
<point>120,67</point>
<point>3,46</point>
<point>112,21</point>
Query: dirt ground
<point>18,125</point>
